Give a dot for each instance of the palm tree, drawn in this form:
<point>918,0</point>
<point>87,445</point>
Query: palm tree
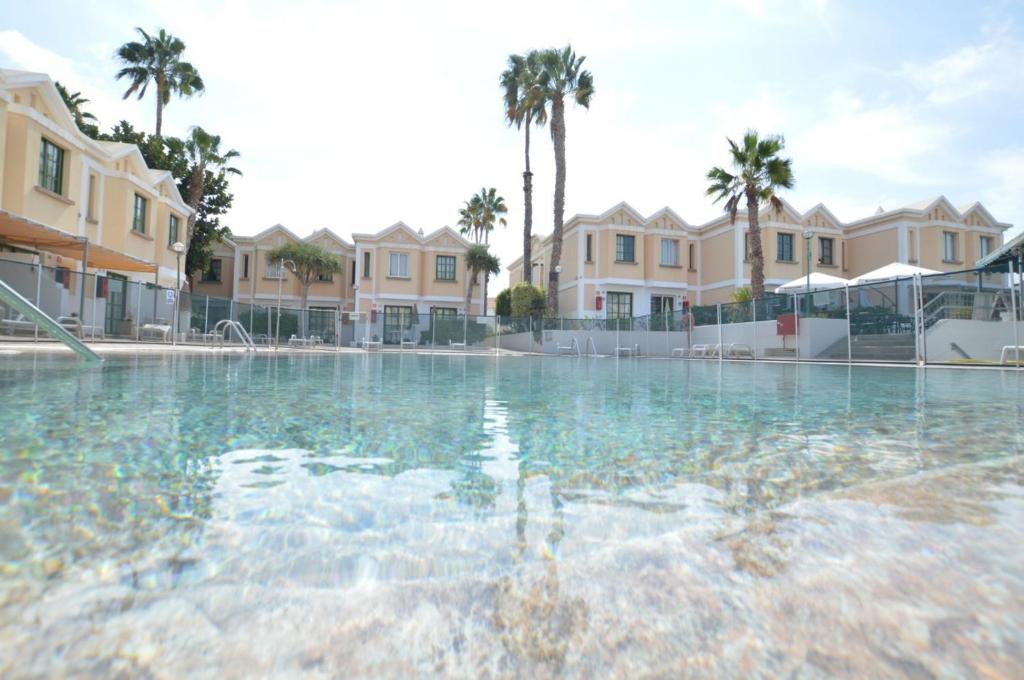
<point>202,150</point>
<point>309,261</point>
<point>524,106</point>
<point>478,215</point>
<point>158,58</point>
<point>75,103</point>
<point>479,259</point>
<point>561,75</point>
<point>760,172</point>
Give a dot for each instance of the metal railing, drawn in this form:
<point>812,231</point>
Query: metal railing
<point>962,317</point>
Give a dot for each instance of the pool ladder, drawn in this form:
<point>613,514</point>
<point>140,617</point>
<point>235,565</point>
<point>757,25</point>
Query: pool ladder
<point>225,326</point>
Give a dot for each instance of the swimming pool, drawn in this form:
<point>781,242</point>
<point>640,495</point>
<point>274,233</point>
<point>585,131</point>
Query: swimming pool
<point>402,514</point>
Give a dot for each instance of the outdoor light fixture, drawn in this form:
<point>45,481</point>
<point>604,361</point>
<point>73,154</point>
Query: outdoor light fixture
<point>178,247</point>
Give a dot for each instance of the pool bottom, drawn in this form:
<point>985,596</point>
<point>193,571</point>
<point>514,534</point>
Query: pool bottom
<point>918,576</point>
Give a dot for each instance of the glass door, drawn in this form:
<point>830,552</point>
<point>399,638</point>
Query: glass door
<point>397,324</point>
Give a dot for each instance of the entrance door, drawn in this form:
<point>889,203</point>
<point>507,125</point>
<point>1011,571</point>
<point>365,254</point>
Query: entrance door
<point>662,307</point>
<point>117,299</point>
<point>397,324</point>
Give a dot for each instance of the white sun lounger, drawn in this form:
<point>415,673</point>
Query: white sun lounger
<point>737,350</point>
<point>457,345</point>
<point>1011,351</point>
<point>410,344</point>
<point>75,326</point>
<point>18,325</point>
<point>159,331</point>
<point>683,352</point>
<point>699,351</point>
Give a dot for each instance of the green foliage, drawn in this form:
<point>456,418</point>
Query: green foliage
<point>75,101</point>
<point>503,303</point>
<point>742,294</point>
<point>453,329</point>
<point>527,300</point>
<point>158,59</point>
<point>478,215</point>
<point>308,260</point>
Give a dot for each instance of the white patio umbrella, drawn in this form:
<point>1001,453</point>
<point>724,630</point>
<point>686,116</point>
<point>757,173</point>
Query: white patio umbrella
<point>818,281</point>
<point>893,270</point>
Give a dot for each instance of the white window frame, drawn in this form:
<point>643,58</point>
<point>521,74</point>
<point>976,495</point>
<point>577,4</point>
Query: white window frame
<point>673,244</point>
<point>949,246</point>
<point>402,260</point>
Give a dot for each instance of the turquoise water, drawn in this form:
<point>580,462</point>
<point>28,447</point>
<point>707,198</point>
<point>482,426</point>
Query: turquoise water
<point>393,515</point>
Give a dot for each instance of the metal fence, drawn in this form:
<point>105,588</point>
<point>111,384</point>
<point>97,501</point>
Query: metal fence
<point>965,317</point>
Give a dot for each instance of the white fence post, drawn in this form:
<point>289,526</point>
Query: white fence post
<point>1014,304</point>
<point>721,350</point>
<point>849,340</point>
<point>796,325</point>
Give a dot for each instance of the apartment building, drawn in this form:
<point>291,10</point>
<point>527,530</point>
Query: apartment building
<point>620,263</point>
<point>397,271</point>
<point>77,203</point>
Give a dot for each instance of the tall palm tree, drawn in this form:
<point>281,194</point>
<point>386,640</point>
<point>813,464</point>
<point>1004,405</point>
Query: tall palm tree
<point>158,59</point>
<point>479,260</point>
<point>524,107</point>
<point>75,103</point>
<point>203,153</point>
<point>561,75</point>
<point>479,214</point>
<point>758,172</point>
<point>469,218</point>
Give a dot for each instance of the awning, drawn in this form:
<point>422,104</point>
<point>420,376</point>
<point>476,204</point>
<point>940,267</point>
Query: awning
<point>893,270</point>
<point>1011,250</point>
<point>22,231</point>
<point>816,281</point>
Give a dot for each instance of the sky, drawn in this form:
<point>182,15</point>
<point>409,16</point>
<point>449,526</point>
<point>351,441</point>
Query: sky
<point>355,115</point>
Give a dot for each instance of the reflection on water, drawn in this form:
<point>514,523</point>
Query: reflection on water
<point>406,514</point>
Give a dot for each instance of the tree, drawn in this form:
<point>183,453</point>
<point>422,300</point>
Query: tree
<point>202,150</point>
<point>527,300</point>
<point>561,75</point>
<point>75,101</point>
<point>503,303</point>
<point>469,218</point>
<point>158,59</point>
<point>524,107</point>
<point>169,153</point>
<point>759,173</point>
<point>492,209</point>
<point>479,260</point>
<point>309,261</point>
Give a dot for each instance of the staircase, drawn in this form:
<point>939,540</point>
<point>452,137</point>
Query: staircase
<point>887,347</point>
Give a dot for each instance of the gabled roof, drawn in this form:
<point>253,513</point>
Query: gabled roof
<point>922,208</point>
<point>267,232</point>
<point>669,213</point>
<point>417,236</point>
<point>820,209</point>
<point>324,231</point>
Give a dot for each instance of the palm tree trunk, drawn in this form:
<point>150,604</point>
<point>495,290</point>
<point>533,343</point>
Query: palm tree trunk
<point>558,137</point>
<point>159,105</point>
<point>528,210</point>
<point>304,324</point>
<point>469,289</point>
<point>756,251</point>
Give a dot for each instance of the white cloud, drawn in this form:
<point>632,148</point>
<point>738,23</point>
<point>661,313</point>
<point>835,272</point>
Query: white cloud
<point>1002,191</point>
<point>890,142</point>
<point>996,66</point>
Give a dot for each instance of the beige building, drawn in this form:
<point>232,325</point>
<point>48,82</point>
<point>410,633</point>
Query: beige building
<point>620,263</point>
<point>396,271</point>
<point>65,197</point>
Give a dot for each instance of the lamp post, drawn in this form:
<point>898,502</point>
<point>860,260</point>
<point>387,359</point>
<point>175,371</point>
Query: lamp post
<point>280,280</point>
<point>808,236</point>
<point>178,247</point>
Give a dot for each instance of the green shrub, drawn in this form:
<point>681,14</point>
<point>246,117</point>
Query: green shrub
<point>527,300</point>
<point>503,303</point>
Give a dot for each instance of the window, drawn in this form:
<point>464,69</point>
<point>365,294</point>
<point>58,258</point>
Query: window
<point>353,282</point>
<point>398,265</point>
<point>274,268</point>
<point>445,268</point>
<point>662,304</point>
<point>90,211</point>
<point>51,166</point>
<point>826,251</point>
<point>327,277</point>
<point>984,246</point>
<point>172,230</point>
<point>590,247</point>
<point>620,305</point>
<point>784,247</point>
<point>625,248</point>
<point>444,312</point>
<point>693,257</point>
<point>366,265</point>
<point>949,246</point>
<point>139,215</point>
<point>245,266</point>
<point>212,272</point>
<point>670,252</point>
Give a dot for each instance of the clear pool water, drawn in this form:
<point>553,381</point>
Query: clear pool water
<point>345,515</point>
